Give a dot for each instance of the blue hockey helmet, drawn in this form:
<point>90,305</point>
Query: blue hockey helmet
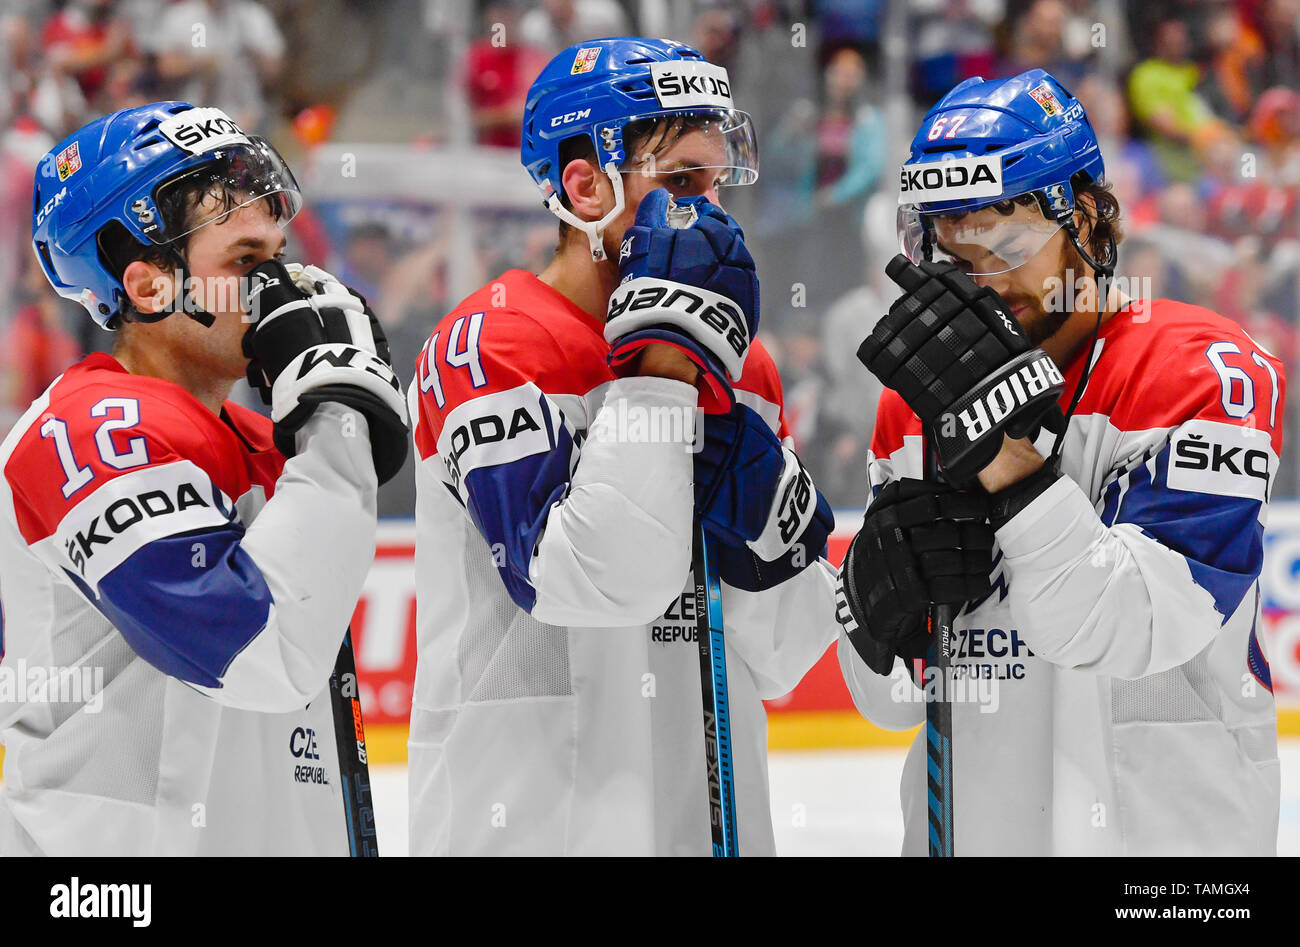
<point>127,168</point>
<point>989,142</point>
<point>595,89</point>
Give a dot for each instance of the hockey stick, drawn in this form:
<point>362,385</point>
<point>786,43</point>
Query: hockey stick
<point>713,688</point>
<point>350,738</point>
<point>938,713</point>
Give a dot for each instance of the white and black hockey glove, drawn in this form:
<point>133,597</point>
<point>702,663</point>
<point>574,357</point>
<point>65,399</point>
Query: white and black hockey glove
<point>963,364</point>
<point>921,543</point>
<point>313,340</point>
<point>686,280</point>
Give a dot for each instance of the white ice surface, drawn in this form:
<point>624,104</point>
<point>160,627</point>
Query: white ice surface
<point>830,802</point>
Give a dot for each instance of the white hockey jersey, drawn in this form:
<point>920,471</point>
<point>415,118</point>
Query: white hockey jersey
<point>1112,695</point>
<point>141,559</point>
<point>557,703</point>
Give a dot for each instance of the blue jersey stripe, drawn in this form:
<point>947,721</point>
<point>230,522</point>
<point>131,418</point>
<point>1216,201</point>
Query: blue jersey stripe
<point>187,604</point>
<point>509,504</point>
<point>1220,536</point>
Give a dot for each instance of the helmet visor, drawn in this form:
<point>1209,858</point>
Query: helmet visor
<point>980,243</point>
<point>716,145</point>
<point>238,175</point>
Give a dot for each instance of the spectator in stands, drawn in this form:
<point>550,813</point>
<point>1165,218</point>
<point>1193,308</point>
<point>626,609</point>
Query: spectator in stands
<point>498,69</point>
<point>1237,66</point>
<point>952,40</point>
<point>221,51</point>
<point>1131,165</point>
<point>1039,41</point>
<point>1281,31</point>
<point>716,34</point>
<point>1163,96</point>
<point>554,25</point>
<point>83,40</point>
<point>1275,125</point>
<point>36,346</point>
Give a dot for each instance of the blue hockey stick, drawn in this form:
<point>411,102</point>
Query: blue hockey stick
<point>713,687</point>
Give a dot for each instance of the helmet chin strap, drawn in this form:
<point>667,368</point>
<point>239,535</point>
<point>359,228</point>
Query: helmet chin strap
<point>594,229</point>
<point>1101,275</point>
<point>190,308</point>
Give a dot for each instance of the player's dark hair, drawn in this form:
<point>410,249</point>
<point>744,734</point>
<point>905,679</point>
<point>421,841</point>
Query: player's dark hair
<point>657,132</point>
<point>1104,223</point>
<point>179,201</point>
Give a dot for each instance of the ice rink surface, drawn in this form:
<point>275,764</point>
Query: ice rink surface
<point>827,802</point>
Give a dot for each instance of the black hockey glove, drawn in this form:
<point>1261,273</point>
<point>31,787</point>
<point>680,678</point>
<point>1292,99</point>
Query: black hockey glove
<point>963,364</point>
<point>921,543</point>
<point>311,341</point>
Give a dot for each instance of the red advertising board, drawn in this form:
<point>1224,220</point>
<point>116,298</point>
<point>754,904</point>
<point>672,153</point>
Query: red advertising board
<point>384,624</point>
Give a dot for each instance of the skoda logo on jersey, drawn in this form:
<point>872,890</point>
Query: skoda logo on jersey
<point>122,514</point>
<point>953,179</point>
<point>1225,459</point>
<point>486,430</point>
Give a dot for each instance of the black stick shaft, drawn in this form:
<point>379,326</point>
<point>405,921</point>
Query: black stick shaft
<point>938,715</point>
<point>354,771</point>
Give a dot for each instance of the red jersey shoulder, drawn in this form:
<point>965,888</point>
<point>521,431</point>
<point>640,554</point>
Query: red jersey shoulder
<point>894,421</point>
<point>101,422</point>
<point>1163,363</point>
<point>760,377</point>
<point>262,458</point>
<point>513,331</point>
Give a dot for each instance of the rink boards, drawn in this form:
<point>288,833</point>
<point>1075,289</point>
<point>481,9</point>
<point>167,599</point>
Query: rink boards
<point>817,713</point>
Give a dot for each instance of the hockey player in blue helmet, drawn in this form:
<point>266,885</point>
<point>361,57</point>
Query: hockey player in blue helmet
<point>155,530</point>
<point>558,688</point>
<point>1101,545</point>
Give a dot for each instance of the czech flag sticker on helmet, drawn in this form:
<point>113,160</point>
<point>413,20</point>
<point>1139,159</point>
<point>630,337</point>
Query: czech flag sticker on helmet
<point>1044,96</point>
<point>68,161</point>
<point>585,61</point>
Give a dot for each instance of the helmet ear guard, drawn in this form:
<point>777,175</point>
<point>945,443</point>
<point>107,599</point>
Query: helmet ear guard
<point>594,229</point>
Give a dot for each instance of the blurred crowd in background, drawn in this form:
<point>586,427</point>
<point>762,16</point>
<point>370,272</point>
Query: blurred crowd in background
<point>1197,105</point>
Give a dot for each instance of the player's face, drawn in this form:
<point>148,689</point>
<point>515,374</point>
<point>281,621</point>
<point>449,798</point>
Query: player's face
<point>689,166</point>
<point>1031,289</point>
<point>220,254</point>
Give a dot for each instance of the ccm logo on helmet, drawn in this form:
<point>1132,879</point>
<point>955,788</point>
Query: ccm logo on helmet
<point>955,179</point>
<point>52,203</point>
<point>1014,391</point>
<point>570,117</point>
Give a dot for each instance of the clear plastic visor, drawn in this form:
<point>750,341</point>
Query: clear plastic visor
<point>718,146</point>
<point>237,176</point>
<point>981,243</point>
